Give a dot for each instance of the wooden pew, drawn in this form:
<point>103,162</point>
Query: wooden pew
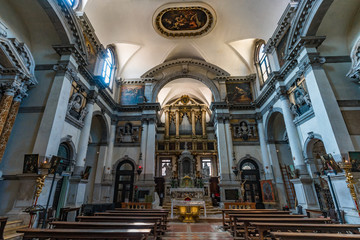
<point>163,215</point>
<point>239,205</point>
<point>226,212</point>
<point>122,219</point>
<point>263,228</point>
<point>105,225</point>
<point>245,222</point>
<point>65,211</point>
<point>313,236</point>
<point>85,233</point>
<point>3,221</point>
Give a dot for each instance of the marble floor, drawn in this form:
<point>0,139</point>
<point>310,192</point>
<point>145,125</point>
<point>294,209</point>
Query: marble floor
<point>196,231</point>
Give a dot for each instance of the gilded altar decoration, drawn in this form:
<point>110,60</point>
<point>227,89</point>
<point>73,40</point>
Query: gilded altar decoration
<point>239,93</point>
<point>180,20</point>
<point>351,183</point>
<point>128,132</point>
<point>244,130</point>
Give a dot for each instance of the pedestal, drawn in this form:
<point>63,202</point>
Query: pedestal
<point>305,192</point>
<point>76,192</point>
<point>229,191</point>
<point>344,199</point>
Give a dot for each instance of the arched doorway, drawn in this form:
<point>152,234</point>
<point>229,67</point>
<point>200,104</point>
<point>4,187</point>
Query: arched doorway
<point>124,182</point>
<point>65,152</point>
<point>250,177</point>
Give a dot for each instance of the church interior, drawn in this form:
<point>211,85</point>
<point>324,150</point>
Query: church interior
<point>139,119</point>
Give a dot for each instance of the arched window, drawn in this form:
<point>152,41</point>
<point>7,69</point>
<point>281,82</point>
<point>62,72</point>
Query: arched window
<point>262,62</point>
<point>107,71</point>
<point>71,2</point>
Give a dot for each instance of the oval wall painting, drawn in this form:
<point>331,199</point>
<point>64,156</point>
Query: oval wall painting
<point>190,20</point>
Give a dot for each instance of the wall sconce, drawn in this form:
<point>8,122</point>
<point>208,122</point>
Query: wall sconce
<point>139,170</point>
<point>235,171</point>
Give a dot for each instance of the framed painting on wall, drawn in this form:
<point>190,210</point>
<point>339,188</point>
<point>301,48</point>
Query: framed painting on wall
<point>31,163</point>
<point>267,191</point>
<point>132,94</point>
<point>354,158</point>
<point>239,92</point>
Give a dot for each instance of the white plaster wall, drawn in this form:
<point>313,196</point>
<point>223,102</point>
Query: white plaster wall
<point>310,125</point>
<point>356,141</point>
<point>253,151</point>
<point>120,152</point>
<point>344,88</point>
<point>73,132</point>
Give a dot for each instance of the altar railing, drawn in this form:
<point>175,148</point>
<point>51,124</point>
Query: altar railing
<point>239,205</point>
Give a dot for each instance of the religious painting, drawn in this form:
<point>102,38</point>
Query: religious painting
<point>184,20</point>
<point>31,163</point>
<point>329,164</point>
<point>132,94</point>
<point>239,92</point>
<point>267,191</point>
<point>280,49</point>
<point>354,158</point>
<point>244,130</point>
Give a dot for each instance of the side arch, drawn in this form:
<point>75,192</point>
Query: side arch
<point>185,68</point>
<point>268,122</point>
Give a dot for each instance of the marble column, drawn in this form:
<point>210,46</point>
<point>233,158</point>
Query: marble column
<point>294,140</point>
<point>13,111</point>
<point>264,149</point>
<point>203,122</point>
<point>331,124</point>
<point>167,123</point>
<point>303,185</point>
<point>193,123</point>
<point>223,154</point>
<point>177,122</point>
<point>84,136</point>
<point>5,105</point>
<point>110,149</point>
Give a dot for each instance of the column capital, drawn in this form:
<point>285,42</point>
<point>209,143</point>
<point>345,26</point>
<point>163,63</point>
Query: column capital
<point>281,93</point>
<point>310,60</point>
<point>92,96</point>
<point>71,49</point>
<point>259,117</point>
<point>68,69</point>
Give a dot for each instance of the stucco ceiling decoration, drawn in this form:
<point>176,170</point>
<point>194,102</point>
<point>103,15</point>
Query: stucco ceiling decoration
<point>184,20</point>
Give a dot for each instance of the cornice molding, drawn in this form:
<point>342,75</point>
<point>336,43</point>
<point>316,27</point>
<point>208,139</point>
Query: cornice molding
<point>69,49</point>
<point>283,26</point>
<point>185,62</point>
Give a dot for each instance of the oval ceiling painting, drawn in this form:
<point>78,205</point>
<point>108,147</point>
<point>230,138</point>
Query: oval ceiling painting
<point>184,20</point>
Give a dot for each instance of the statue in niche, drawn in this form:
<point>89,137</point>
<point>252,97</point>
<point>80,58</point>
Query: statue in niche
<point>127,133</point>
<point>301,102</point>
<point>206,170</point>
<point>243,131</point>
<point>168,170</point>
<point>75,107</point>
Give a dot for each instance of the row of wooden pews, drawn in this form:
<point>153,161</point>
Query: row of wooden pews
<point>113,224</point>
<point>274,224</point>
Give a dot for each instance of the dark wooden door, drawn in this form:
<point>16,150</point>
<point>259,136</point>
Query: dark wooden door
<point>124,183</point>
<point>250,176</point>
